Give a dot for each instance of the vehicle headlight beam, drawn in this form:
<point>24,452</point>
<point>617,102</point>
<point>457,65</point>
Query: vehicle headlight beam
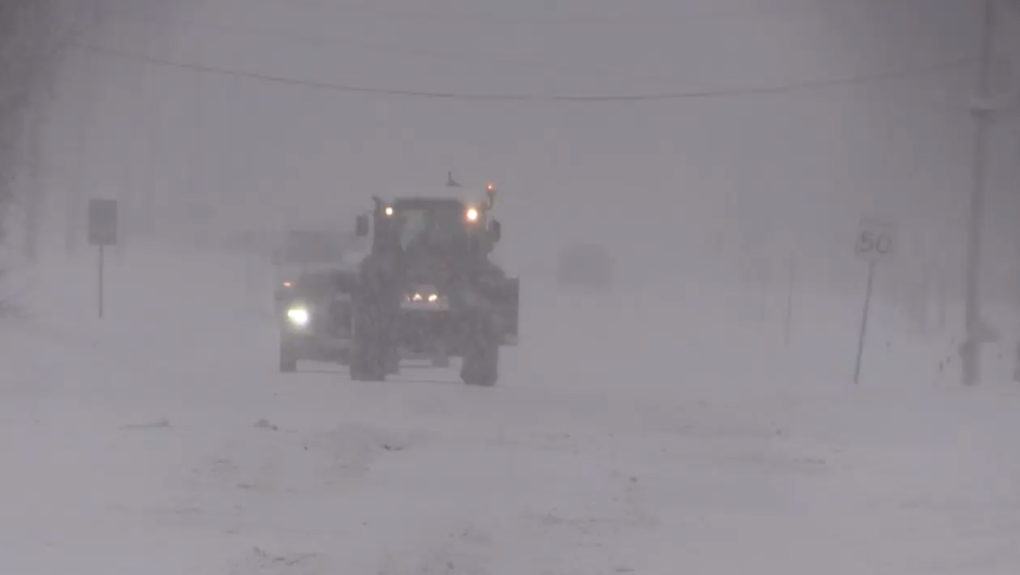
<point>298,316</point>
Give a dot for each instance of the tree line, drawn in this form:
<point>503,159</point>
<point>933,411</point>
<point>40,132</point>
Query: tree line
<point>34,36</point>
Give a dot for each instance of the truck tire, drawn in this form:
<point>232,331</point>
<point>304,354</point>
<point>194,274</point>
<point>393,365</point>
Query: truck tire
<point>288,362</point>
<point>441,356</point>
<point>367,354</point>
<point>392,361</point>
<point>481,365</point>
<point>366,365</point>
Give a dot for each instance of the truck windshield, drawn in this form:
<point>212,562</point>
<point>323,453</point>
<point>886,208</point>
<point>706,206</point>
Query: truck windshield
<point>433,229</point>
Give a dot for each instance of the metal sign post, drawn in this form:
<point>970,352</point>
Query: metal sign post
<point>791,282</point>
<point>874,244</point>
<point>102,251</point>
<point>102,233</point>
<point>864,322</point>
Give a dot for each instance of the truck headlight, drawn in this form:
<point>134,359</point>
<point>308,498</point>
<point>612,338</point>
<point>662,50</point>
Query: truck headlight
<point>419,298</point>
<point>298,316</point>
<point>425,300</point>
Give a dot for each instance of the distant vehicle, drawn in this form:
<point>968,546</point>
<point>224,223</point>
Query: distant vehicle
<point>315,318</point>
<point>425,289</point>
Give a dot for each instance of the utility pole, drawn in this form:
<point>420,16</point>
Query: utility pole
<point>970,351</point>
<point>87,26</point>
<point>35,199</point>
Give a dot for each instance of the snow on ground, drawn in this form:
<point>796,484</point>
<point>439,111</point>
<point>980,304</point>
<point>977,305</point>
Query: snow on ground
<point>628,435</point>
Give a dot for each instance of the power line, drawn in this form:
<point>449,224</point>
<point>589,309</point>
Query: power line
<point>476,56</point>
<point>563,98</point>
<point>480,57</point>
<point>631,17</point>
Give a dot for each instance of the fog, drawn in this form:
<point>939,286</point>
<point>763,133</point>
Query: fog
<point>789,167</point>
<point>720,154</point>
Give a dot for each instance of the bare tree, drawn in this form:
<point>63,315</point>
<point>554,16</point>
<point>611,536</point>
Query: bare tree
<point>32,37</point>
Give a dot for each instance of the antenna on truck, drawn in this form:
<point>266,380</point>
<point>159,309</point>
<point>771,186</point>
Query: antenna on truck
<point>450,182</point>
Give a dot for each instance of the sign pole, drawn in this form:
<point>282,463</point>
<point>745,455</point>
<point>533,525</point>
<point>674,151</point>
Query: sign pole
<point>874,244</point>
<point>970,351</point>
<point>864,321</point>
<point>791,280</point>
<point>102,233</point>
<point>102,252</point>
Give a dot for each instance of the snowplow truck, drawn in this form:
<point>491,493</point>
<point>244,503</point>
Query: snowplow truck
<point>427,289</point>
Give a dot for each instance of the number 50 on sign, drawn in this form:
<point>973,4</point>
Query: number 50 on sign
<point>875,240</point>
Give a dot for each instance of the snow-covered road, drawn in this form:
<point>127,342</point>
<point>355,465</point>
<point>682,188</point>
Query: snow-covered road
<point>162,441</point>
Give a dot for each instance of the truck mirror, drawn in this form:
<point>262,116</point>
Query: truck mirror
<point>495,230</point>
<point>361,227</point>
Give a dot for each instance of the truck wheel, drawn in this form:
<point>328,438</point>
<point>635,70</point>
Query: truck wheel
<point>288,363</point>
<point>392,361</point>
<point>367,356</point>
<point>366,364</point>
<point>344,357</point>
<point>481,365</point>
<point>441,356</point>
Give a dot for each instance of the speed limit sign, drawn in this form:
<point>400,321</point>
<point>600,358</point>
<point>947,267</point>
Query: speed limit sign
<point>875,240</point>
